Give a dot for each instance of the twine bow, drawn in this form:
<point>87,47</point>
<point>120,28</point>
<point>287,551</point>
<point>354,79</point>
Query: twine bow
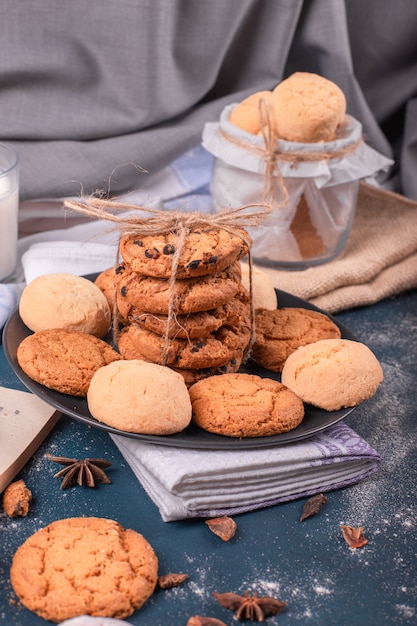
<point>271,152</point>
<point>160,221</point>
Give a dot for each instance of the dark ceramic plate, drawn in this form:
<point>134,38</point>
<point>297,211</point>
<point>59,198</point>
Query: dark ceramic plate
<point>315,419</point>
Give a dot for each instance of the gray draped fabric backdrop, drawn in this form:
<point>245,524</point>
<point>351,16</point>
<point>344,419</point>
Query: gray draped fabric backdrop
<point>91,89</point>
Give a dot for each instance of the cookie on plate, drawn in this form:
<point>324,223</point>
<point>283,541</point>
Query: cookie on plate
<point>281,331</point>
<point>140,397</point>
<point>245,405</point>
<point>84,566</point>
<point>105,281</point>
<point>215,350</point>
<point>333,373</point>
<point>192,376</point>
<point>193,325</point>
<point>263,292</point>
<point>192,295</point>
<point>64,360</point>
<point>205,251</point>
<point>65,301</point>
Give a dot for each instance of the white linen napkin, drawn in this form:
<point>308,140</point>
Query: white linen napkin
<point>185,483</point>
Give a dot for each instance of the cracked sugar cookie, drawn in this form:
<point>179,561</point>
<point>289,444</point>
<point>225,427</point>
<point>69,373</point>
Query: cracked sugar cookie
<point>245,405</point>
<point>84,566</point>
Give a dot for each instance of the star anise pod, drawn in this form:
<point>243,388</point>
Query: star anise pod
<point>313,506</point>
<point>81,471</point>
<point>353,536</point>
<point>247,607</point>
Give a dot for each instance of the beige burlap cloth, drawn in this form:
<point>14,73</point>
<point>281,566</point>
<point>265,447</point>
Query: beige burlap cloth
<point>379,260</point>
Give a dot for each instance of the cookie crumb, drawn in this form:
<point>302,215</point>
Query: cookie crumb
<point>16,499</point>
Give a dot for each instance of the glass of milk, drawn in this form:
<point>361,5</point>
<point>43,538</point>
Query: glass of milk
<point>9,205</point>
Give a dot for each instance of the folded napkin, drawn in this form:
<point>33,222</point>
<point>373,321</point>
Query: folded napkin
<point>185,483</point>
<point>380,259</point>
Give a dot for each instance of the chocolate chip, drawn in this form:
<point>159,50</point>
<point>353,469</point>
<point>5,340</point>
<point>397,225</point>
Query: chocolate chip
<point>169,249</point>
<point>119,269</point>
<point>197,346</point>
<point>152,253</point>
<point>138,242</point>
<point>123,291</point>
<point>194,264</point>
<point>211,260</point>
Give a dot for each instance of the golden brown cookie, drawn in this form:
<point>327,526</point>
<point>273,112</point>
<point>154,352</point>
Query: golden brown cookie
<point>333,373</point>
<point>281,331</point>
<point>84,566</point>
<point>204,252</point>
<point>192,295</point>
<point>263,292</point>
<point>194,325</point>
<point>215,350</point>
<point>64,360</point>
<point>65,301</point>
<point>192,376</point>
<point>140,397</point>
<point>307,108</point>
<point>105,281</point>
<point>246,114</point>
<point>245,405</point>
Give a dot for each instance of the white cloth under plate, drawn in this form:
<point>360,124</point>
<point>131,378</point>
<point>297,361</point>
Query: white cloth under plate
<point>186,483</point>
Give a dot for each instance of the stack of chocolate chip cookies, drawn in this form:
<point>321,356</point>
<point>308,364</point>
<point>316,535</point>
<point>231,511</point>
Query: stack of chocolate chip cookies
<point>194,318</point>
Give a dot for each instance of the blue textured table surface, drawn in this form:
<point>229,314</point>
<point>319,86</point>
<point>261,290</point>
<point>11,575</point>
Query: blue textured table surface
<point>306,564</point>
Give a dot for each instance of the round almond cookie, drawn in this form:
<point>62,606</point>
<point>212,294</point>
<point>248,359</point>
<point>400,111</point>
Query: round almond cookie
<point>64,360</point>
<point>263,292</point>
<point>281,331</point>
<point>191,295</point>
<point>140,397</point>
<point>84,566</point>
<point>207,251</point>
<point>65,301</point>
<point>307,108</point>
<point>246,114</point>
<point>333,373</point>
<point>245,405</point>
<point>193,325</point>
<point>213,351</point>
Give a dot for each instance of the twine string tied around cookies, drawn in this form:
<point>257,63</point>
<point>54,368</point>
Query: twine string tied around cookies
<point>158,221</point>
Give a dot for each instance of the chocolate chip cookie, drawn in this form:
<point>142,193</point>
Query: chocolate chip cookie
<point>192,295</point>
<point>204,252</point>
<point>135,342</point>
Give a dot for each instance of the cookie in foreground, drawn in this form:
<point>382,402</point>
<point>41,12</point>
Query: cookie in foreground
<point>84,566</point>
<point>140,397</point>
<point>333,373</point>
<point>245,405</point>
